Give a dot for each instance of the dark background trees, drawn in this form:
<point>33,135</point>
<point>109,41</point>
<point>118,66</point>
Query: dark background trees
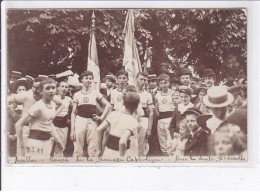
<point>44,41</point>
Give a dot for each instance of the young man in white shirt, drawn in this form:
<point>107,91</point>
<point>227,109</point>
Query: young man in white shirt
<point>61,121</point>
<point>146,120</point>
<point>117,94</point>
<point>83,117</point>
<point>40,116</point>
<point>164,107</point>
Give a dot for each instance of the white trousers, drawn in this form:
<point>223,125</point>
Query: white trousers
<point>85,132</point>
<point>39,148</point>
<point>20,150</point>
<point>143,146</point>
<point>63,135</point>
<point>164,135</point>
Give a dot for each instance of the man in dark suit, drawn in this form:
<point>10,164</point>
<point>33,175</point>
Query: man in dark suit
<point>198,138</point>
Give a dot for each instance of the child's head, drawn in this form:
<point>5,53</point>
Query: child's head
<point>184,131</point>
<point>131,101</point>
<point>176,97</point>
<point>141,79</point>
<point>48,88</point>
<point>191,116</point>
<point>20,89</point>
<point>164,82</point>
<point>229,140</point>
<point>122,78</point>
<point>130,88</point>
<point>63,88</point>
<point>86,78</point>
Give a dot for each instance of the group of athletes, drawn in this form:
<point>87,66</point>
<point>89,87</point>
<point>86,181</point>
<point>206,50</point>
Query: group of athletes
<point>159,116</point>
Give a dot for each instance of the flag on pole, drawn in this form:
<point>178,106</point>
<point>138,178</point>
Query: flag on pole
<point>148,59</point>
<point>131,59</point>
<point>93,65</point>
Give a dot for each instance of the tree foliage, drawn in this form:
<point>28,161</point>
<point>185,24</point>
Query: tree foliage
<point>53,40</point>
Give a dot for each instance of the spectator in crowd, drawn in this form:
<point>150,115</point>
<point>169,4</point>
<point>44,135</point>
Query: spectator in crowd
<point>217,99</point>
<point>198,137</point>
<point>199,102</point>
<point>239,101</point>
<point>185,95</point>
<point>229,140</point>
<point>209,78</point>
<point>177,145</point>
<point>109,81</point>
<point>152,81</point>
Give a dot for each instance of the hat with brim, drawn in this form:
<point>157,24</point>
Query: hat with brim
<point>186,90</point>
<point>202,119</point>
<point>111,77</point>
<point>218,97</point>
<point>192,110</point>
<point>209,73</point>
<point>152,77</point>
<point>185,72</point>
<point>20,82</point>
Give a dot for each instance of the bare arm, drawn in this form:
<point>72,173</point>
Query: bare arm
<point>101,128</point>
<point>26,118</point>
<point>73,116</point>
<point>107,105</point>
<point>16,98</point>
<point>123,142</point>
<point>150,120</point>
<point>156,107</point>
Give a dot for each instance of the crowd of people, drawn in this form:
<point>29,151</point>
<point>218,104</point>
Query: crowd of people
<point>161,115</point>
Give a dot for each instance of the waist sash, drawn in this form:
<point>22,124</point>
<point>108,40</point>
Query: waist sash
<point>113,143</point>
<point>86,110</point>
<point>60,122</point>
<point>39,135</point>
<point>164,115</point>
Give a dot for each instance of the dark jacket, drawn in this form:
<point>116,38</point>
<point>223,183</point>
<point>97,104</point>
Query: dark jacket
<point>175,121</point>
<point>197,145</point>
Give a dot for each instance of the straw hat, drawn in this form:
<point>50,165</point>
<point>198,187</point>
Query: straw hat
<point>20,82</point>
<point>217,97</point>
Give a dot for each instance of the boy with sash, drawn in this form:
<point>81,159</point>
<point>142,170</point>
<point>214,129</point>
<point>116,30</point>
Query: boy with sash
<point>61,121</point>
<point>164,107</point>
<point>40,116</point>
<point>146,120</point>
<point>84,116</point>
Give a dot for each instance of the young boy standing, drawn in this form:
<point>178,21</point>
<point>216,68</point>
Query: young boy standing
<point>117,94</point>
<point>164,108</point>
<point>61,121</point>
<point>83,117</point>
<point>40,115</point>
<point>146,120</point>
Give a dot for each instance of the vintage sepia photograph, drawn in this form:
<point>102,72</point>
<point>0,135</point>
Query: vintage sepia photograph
<point>126,85</point>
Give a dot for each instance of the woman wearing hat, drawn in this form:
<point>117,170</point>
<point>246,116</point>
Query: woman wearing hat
<point>217,99</point>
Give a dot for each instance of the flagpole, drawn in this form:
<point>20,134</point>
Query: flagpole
<point>93,64</point>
